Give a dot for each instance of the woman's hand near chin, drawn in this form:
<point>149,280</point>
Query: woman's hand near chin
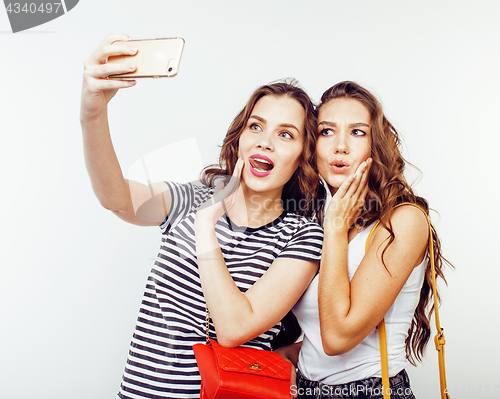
<point>223,199</point>
<point>97,89</point>
<point>348,201</point>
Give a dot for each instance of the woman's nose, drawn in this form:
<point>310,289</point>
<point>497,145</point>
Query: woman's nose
<point>341,146</point>
<point>265,141</point>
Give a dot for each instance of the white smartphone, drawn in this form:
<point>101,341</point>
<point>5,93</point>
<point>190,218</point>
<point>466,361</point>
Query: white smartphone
<point>155,58</point>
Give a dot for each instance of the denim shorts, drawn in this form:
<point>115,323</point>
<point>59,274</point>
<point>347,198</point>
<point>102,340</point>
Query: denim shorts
<point>370,388</point>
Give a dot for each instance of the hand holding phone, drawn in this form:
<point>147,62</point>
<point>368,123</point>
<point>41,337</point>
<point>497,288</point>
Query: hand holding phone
<point>155,58</point>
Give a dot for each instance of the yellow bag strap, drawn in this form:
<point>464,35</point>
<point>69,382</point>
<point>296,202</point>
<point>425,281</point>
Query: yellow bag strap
<point>438,339</point>
<point>384,359</point>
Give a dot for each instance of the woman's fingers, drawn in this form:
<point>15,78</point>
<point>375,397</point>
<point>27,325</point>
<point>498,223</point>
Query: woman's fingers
<point>358,184</point>
<point>364,188</point>
<point>96,77</point>
<point>361,200</point>
<point>115,37</point>
<point>355,185</point>
<point>106,49</point>
<point>97,71</point>
<point>97,89</point>
<point>363,181</point>
<point>105,70</point>
<point>238,168</point>
<point>344,187</point>
<point>97,85</point>
<point>113,45</point>
<point>348,201</point>
<point>219,187</point>
<point>233,185</point>
<point>119,48</point>
<point>364,177</point>
<point>222,193</point>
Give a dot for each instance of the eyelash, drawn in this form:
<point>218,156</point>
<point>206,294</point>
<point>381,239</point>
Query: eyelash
<point>360,131</point>
<point>323,132</point>
<point>252,125</point>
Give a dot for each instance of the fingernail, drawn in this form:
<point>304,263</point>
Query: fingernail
<point>133,50</point>
<point>131,67</point>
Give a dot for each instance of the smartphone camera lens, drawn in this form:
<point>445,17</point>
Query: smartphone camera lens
<point>170,69</point>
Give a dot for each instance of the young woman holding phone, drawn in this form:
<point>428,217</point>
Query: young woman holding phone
<point>236,251</point>
<point>359,159</point>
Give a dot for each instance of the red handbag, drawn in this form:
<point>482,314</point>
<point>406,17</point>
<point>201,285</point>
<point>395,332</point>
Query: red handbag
<point>241,373</point>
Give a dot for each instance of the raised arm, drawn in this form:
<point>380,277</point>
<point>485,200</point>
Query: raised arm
<point>131,201</point>
<point>350,310</point>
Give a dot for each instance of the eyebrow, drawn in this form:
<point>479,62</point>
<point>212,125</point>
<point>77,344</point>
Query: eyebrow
<point>287,125</point>
<point>333,124</point>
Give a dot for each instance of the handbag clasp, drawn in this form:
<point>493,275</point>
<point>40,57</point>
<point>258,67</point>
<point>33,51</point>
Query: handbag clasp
<point>254,366</point>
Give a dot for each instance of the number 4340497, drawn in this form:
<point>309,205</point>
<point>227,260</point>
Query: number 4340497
<point>33,8</point>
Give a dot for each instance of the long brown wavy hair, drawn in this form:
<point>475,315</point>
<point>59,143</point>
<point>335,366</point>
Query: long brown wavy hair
<point>302,191</point>
<point>388,187</point>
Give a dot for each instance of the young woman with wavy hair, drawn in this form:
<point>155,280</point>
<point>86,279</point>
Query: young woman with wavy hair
<point>234,251</point>
<point>302,193</point>
<point>359,159</point>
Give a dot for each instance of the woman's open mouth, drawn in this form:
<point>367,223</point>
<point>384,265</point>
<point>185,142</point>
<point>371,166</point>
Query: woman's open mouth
<point>339,166</point>
<point>260,165</point>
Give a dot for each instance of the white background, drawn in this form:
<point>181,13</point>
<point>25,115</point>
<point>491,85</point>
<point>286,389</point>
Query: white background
<point>72,274</point>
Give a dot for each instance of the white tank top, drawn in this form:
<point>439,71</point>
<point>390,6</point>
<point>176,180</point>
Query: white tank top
<point>363,361</point>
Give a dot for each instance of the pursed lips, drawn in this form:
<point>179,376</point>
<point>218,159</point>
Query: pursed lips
<point>339,165</point>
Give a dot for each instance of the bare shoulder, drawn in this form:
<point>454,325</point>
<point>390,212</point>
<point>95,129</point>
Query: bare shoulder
<point>411,234</point>
<point>410,223</point>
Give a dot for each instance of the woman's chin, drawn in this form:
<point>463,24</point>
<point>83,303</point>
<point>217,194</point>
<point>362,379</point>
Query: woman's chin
<point>335,182</point>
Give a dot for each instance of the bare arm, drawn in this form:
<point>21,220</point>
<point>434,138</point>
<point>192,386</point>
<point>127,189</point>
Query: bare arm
<point>291,353</point>
<point>113,191</point>
<point>350,310</point>
<point>239,317</point>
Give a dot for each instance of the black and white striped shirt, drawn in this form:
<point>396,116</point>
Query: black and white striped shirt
<point>161,362</point>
